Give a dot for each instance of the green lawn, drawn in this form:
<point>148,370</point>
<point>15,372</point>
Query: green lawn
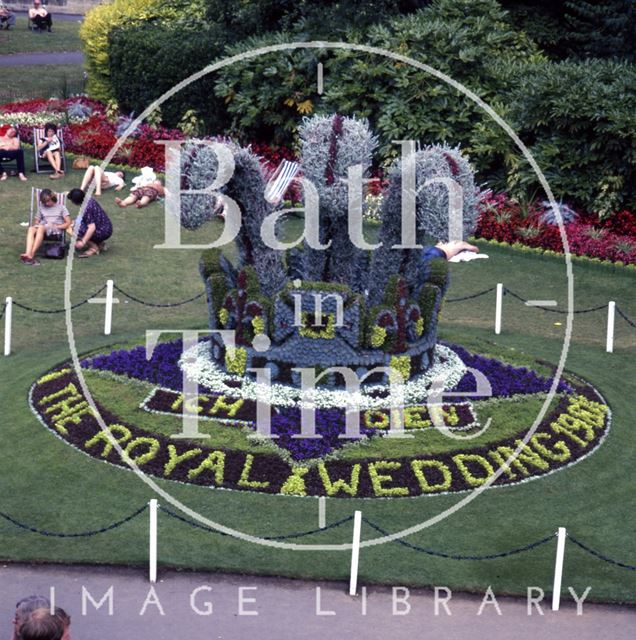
<point>19,39</point>
<point>49,485</point>
<point>48,81</point>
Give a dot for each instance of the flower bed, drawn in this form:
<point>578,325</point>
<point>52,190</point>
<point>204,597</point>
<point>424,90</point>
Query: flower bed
<point>90,130</point>
<point>164,369</point>
<point>572,431</point>
<point>505,220</point>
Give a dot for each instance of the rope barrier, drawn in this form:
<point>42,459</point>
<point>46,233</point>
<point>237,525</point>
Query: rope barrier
<point>164,305</point>
<point>156,304</point>
<point>4,306</point>
<point>560,311</point>
<point>630,322</point>
<point>84,534</point>
<point>600,556</point>
<point>300,534</point>
<point>472,296</point>
<point>333,525</point>
<point>450,556</point>
<point>75,306</point>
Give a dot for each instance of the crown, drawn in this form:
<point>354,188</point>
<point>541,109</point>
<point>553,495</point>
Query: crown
<point>329,301</point>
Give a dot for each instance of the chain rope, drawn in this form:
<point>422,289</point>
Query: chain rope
<point>600,556</point>
<point>78,304</point>
<point>450,556</point>
<point>83,534</point>
<point>158,304</point>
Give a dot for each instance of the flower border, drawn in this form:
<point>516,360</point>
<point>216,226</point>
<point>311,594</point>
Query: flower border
<point>57,403</point>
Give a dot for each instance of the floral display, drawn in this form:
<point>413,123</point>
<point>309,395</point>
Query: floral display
<point>506,220</point>
<point>505,380</point>
<point>572,430</point>
<point>330,424</point>
<point>93,131</point>
<point>166,368</point>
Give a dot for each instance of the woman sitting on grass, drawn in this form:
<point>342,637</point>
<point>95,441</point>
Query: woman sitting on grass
<point>141,196</point>
<point>94,228</point>
<point>50,217</point>
<point>49,148</point>
<point>103,180</point>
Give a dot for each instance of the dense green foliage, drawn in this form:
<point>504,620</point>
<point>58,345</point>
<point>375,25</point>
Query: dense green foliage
<point>462,39</point>
<point>576,116</point>
<point>579,121</point>
<point>137,50</point>
<point>104,18</point>
<point>578,28</point>
<point>138,77</point>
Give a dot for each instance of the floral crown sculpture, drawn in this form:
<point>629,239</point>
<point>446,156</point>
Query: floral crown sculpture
<point>340,305</point>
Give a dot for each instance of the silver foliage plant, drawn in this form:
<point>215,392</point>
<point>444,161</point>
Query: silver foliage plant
<point>329,146</point>
<point>199,167</point>
<point>432,204</point>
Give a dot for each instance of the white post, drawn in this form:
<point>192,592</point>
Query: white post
<point>108,316</point>
<point>152,551</point>
<point>558,569</point>
<point>8,311</point>
<point>322,512</point>
<point>498,308</point>
<point>355,553</point>
<point>611,314</point>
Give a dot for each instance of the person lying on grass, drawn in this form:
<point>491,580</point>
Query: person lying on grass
<point>49,148</point>
<point>103,180</point>
<point>10,150</point>
<point>51,216</point>
<point>142,196</point>
<point>94,227</point>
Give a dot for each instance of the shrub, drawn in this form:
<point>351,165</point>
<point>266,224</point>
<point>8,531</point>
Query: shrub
<point>101,20</point>
<point>269,95</point>
<point>149,59</point>
<point>579,121</point>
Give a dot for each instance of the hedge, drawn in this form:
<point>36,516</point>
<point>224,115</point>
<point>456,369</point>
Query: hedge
<point>147,60</point>
<point>101,20</point>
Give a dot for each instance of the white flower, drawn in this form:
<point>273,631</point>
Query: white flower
<point>199,366</point>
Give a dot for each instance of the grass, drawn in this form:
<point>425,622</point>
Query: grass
<point>27,82</point>
<point>49,485</point>
<point>19,39</point>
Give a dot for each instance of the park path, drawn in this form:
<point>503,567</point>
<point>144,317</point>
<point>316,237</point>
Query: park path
<point>60,57</point>
<point>287,609</point>
<point>43,57</point>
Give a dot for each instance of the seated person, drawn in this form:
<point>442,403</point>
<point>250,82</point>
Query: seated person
<point>40,17</point>
<point>94,227</point>
<point>51,216</point>
<point>7,17</point>
<point>49,148</point>
<point>103,180</point>
<point>10,150</point>
<point>141,196</point>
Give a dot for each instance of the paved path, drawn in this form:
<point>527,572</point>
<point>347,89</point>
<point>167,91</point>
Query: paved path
<point>287,609</point>
<point>62,57</point>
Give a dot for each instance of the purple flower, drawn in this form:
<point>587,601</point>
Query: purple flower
<point>505,380</point>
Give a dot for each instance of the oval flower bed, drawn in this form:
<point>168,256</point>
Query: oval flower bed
<point>573,428</point>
